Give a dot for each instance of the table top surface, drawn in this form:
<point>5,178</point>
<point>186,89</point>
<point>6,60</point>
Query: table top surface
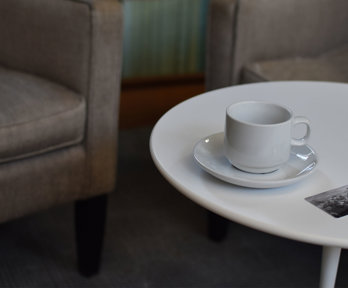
<point>280,211</point>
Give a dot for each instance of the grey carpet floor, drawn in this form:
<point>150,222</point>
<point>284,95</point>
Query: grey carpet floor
<point>155,237</point>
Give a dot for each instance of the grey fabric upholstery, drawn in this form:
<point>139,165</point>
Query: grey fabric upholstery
<point>53,39</point>
<point>331,66</point>
<point>37,116</point>
<point>60,71</point>
<point>243,33</point>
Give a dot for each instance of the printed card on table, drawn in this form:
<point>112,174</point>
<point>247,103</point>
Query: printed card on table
<point>333,202</point>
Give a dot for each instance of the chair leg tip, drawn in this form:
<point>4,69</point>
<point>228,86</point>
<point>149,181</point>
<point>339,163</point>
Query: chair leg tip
<point>88,271</point>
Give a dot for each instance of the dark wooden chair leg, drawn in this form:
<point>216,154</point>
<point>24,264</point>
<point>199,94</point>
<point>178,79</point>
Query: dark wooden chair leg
<point>90,217</point>
<point>217,227</point>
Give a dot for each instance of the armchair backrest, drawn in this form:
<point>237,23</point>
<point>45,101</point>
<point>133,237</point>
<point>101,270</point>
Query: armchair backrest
<point>272,29</point>
<point>50,39</point>
<point>244,31</point>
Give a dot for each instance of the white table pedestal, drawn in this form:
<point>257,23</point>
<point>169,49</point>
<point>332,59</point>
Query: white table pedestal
<point>329,266</point>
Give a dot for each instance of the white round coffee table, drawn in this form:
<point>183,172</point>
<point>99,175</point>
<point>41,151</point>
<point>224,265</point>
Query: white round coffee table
<point>281,211</point>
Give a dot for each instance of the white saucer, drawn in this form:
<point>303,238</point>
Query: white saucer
<point>208,153</point>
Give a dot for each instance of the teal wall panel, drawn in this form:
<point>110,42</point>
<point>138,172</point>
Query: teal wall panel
<point>164,37</point>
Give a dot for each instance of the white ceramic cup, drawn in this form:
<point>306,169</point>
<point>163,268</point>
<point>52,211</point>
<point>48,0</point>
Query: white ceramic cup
<point>258,135</point>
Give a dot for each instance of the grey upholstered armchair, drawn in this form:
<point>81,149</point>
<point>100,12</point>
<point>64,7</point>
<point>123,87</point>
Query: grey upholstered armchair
<point>60,63</point>
<point>261,40</point>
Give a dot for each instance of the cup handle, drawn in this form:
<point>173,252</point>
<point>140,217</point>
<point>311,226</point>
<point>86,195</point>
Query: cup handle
<point>301,141</point>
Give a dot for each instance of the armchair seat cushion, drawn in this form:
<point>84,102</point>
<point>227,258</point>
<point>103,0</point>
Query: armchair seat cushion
<point>331,66</point>
<point>37,116</point>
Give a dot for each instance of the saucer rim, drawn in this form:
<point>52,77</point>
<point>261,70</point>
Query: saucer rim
<point>257,183</point>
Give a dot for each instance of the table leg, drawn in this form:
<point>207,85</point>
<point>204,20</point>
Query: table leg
<point>329,266</point>
<point>217,227</point>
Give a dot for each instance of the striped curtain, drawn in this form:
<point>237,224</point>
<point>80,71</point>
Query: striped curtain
<point>164,37</point>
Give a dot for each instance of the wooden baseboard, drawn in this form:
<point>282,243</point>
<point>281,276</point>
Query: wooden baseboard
<point>144,101</point>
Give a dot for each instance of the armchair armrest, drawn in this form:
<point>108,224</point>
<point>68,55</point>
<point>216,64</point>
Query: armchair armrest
<point>103,94</point>
<point>220,43</point>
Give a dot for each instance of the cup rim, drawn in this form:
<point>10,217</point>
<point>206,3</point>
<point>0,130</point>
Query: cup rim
<point>259,102</point>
